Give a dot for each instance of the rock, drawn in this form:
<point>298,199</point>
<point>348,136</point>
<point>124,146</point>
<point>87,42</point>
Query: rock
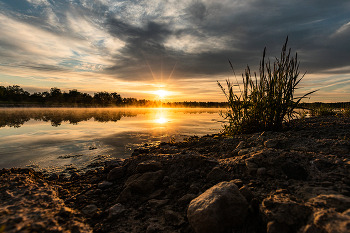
<point>245,191</point>
<point>54,176</point>
<point>282,191</point>
<point>116,173</point>
<point>237,182</point>
<point>219,209</point>
<point>190,173</point>
<point>157,194</point>
<point>113,163</point>
<point>148,166</point>
<point>340,150</point>
<point>308,192</point>
<point>216,174</point>
<point>65,212</point>
<point>240,145</point>
<point>75,176</point>
<point>166,179</point>
<point>81,198</point>
<point>339,202</point>
<point>97,192</point>
<point>171,216</point>
<point>154,203</point>
<point>252,167</point>
<point>271,172</point>
<point>327,221</point>
<point>89,210</point>
<point>154,227</point>
<point>233,153</point>
<point>261,171</point>
<point>194,189</point>
<point>285,209</point>
<point>277,227</point>
<point>347,212</point>
<point>271,143</point>
<point>243,152</point>
<point>327,184</point>
<point>116,210</point>
<point>186,199</point>
<point>294,171</point>
<point>104,185</point>
<point>146,182</point>
<point>125,195</point>
<point>38,226</point>
<point>322,164</point>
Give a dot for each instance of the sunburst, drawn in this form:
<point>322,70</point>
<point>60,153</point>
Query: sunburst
<point>161,93</point>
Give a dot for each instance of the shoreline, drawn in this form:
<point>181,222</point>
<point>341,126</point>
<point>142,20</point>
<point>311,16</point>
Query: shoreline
<point>286,178</point>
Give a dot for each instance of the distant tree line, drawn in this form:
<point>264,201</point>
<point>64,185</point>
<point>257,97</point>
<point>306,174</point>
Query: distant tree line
<point>316,105</point>
<point>15,95</point>
<point>195,104</point>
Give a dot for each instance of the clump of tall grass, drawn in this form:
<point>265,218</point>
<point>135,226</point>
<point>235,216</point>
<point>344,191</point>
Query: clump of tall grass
<point>267,102</point>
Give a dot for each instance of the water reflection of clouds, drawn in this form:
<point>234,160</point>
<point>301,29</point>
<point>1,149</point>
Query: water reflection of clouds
<point>38,141</point>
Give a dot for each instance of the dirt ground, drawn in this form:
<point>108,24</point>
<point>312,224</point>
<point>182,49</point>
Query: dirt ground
<point>284,176</point>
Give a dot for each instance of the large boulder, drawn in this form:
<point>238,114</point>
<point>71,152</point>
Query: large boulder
<point>219,209</point>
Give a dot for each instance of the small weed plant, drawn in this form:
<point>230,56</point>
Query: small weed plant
<point>265,102</point>
<point>346,111</point>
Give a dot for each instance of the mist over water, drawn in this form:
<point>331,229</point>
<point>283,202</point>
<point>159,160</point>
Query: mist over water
<point>48,138</point>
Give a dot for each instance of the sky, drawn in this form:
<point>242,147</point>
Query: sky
<point>138,47</point>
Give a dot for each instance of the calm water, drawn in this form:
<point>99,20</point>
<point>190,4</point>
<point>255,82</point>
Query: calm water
<point>45,138</point>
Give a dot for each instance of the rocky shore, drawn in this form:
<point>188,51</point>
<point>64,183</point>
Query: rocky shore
<point>297,180</point>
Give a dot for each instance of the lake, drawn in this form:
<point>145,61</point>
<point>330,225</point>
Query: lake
<point>48,139</point>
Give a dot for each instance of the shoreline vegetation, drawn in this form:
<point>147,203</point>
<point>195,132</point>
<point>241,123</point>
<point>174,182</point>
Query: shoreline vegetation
<point>14,96</point>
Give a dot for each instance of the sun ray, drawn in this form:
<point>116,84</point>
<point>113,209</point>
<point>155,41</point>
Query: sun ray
<point>149,66</point>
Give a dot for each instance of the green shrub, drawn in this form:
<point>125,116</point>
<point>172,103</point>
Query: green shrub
<point>325,111</point>
<point>264,103</point>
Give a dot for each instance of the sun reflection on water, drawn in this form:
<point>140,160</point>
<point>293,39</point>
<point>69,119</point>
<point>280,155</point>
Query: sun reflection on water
<point>162,116</point>
<point>161,120</point>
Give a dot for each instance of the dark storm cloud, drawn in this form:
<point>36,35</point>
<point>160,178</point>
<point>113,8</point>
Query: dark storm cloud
<point>309,24</point>
<point>197,10</point>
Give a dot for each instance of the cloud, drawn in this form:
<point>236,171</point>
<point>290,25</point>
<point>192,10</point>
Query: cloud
<point>150,41</point>
<point>39,2</point>
<point>345,29</point>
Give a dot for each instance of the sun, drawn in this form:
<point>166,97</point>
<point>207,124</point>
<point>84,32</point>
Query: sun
<point>161,93</point>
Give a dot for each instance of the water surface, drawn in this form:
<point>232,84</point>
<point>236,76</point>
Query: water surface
<point>50,138</point>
